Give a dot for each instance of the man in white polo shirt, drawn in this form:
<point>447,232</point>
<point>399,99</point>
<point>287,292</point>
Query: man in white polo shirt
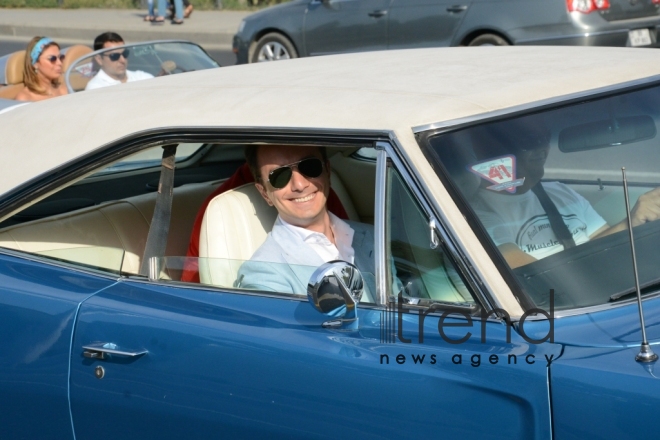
<point>518,214</point>
<point>113,64</point>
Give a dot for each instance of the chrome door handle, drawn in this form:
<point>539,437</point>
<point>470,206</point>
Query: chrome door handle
<point>456,8</point>
<point>377,14</point>
<point>101,350</point>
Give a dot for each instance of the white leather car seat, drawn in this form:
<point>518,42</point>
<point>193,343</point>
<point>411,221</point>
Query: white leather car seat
<point>235,224</point>
<point>111,235</point>
<point>13,75</point>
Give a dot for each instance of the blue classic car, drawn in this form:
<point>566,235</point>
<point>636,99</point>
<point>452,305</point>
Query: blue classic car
<point>498,299</point>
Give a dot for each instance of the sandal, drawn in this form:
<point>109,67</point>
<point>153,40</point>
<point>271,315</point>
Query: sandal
<point>158,20</point>
<point>177,21</point>
<point>149,18</point>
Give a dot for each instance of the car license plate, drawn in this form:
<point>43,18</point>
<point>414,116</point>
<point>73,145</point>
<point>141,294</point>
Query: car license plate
<point>639,37</point>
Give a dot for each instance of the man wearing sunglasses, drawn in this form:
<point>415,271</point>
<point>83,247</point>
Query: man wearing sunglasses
<point>113,64</point>
<point>296,181</point>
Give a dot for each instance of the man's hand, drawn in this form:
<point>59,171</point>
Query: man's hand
<point>514,255</point>
<point>647,209</point>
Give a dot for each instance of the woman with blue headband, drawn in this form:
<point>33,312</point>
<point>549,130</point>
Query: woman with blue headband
<point>42,71</point>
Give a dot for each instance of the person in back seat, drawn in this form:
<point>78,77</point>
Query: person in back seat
<point>42,71</point>
<point>242,176</point>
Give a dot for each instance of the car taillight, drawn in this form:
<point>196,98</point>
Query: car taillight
<point>656,2</point>
<point>587,6</point>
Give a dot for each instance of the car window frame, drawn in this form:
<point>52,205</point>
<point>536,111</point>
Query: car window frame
<point>395,153</point>
<point>71,172</point>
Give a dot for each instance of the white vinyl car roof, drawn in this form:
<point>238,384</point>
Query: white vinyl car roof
<point>388,90</point>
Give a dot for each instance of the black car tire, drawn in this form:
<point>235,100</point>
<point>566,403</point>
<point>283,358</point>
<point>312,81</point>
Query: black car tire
<point>273,47</point>
<point>488,40</point>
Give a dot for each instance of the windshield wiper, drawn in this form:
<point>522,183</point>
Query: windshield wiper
<point>650,287</point>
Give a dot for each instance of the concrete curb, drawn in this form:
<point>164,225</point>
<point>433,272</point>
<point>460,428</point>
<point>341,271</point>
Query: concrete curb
<point>218,40</point>
<point>212,29</point>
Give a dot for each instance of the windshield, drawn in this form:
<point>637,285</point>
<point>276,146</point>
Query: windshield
<point>545,191</point>
<point>135,62</point>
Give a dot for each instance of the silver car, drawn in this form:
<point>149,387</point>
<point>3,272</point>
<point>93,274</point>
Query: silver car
<point>317,27</point>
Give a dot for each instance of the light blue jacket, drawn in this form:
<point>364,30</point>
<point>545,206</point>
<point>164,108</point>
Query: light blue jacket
<point>284,263</point>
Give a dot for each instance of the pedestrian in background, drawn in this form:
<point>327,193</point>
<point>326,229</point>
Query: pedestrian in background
<point>177,16</point>
<point>187,9</point>
<point>150,15</point>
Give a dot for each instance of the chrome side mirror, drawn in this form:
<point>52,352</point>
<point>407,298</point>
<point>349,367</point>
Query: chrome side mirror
<point>334,289</point>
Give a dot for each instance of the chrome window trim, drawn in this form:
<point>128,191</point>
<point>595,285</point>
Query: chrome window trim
<point>380,225</point>
<point>455,247</point>
<point>182,285</point>
<point>582,35</point>
<point>60,264</point>
<point>536,105</point>
<point>606,306</point>
<point>74,266</point>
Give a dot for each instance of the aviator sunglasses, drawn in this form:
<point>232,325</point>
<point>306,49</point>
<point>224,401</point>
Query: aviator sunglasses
<point>53,58</point>
<point>311,167</point>
<point>115,56</point>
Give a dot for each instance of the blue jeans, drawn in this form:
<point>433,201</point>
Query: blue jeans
<point>162,8</point>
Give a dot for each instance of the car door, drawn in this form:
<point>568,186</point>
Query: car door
<point>424,23</point>
<point>38,304</point>
<point>197,361</point>
<point>335,26</point>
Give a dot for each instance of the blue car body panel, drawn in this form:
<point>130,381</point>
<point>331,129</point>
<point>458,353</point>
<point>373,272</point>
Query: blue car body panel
<point>38,305</point>
<point>248,365</point>
<point>604,393</point>
<point>616,327</point>
<point>596,382</point>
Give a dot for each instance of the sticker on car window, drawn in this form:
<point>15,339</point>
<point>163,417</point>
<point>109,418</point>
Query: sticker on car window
<point>85,70</point>
<point>500,171</point>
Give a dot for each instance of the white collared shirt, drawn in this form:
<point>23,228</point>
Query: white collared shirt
<point>102,79</point>
<point>322,245</point>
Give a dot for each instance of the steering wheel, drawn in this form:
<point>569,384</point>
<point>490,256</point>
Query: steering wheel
<point>590,273</point>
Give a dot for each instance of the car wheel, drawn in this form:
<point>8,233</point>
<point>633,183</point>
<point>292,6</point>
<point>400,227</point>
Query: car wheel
<point>273,47</point>
<point>488,40</point>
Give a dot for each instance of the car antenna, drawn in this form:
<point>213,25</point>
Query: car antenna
<point>645,354</point>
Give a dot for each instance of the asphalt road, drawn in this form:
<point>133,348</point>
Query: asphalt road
<point>8,45</point>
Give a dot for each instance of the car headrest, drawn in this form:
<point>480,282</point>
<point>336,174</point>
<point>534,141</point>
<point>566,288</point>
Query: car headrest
<point>235,224</point>
<point>14,67</point>
<point>74,53</point>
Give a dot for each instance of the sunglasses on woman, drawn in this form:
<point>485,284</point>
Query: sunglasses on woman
<point>311,167</point>
<point>115,56</point>
<point>53,58</point>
